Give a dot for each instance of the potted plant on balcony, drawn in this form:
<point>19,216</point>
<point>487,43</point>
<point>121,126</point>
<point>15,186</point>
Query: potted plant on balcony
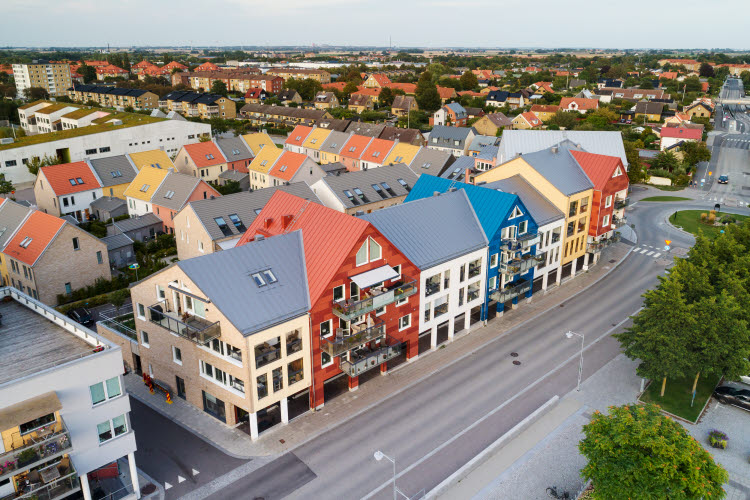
<point>27,456</point>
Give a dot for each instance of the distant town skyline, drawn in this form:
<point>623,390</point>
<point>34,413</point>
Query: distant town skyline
<point>419,23</point>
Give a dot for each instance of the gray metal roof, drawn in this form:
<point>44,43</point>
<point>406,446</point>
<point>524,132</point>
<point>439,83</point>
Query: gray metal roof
<point>175,190</point>
<point>114,170</point>
<point>116,241</point>
<point>488,152</point>
<point>70,219</point>
<point>226,280</point>
<point>137,222</point>
<point>334,142</point>
<point>108,203</point>
<point>365,180</point>
<point>233,175</point>
<point>366,129</point>
<point>457,170</point>
<point>432,230</point>
<point>445,137</point>
<point>560,168</point>
<point>234,148</point>
<point>515,142</point>
<point>540,208</point>
<point>480,141</point>
<point>431,161</point>
<point>245,205</point>
<point>332,168</point>
<point>11,216</point>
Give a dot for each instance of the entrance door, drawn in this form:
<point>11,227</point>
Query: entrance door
<point>180,388</point>
<point>241,415</point>
<point>137,364</point>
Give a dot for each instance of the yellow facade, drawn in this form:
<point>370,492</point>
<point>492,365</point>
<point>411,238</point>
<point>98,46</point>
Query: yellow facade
<point>577,207</point>
<point>699,111</point>
<point>148,176</point>
<point>117,191</point>
<point>328,157</point>
<point>258,141</point>
<point>261,165</point>
<point>401,153</point>
<point>151,159</point>
<point>520,123</point>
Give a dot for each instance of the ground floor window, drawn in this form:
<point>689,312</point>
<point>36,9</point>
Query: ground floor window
<point>214,406</point>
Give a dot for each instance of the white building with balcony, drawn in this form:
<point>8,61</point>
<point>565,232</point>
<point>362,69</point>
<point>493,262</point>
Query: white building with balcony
<point>442,236</point>
<point>63,410</point>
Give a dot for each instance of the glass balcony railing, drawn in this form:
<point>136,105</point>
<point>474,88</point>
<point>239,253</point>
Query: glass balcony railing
<point>598,246</point>
<point>621,203</point>
<point>58,488</point>
<point>511,292</point>
<point>30,450</point>
<point>189,326</point>
<point>528,240</point>
<point>362,362</point>
<point>519,265</point>
<point>346,340</point>
<point>617,221</point>
<point>349,309</point>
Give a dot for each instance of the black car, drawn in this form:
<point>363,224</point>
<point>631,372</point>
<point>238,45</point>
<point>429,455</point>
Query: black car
<point>723,179</point>
<point>81,315</point>
<point>733,396</point>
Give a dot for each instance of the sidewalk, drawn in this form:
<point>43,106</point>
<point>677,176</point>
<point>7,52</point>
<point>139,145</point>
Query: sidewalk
<point>306,427</point>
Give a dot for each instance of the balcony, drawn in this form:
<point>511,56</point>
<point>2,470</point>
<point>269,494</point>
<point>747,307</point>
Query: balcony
<point>33,487</point>
<point>528,240</point>
<point>519,265</point>
<point>598,246</point>
<point>191,327</point>
<point>512,244</point>
<point>37,447</point>
<point>621,203</point>
<point>511,292</point>
<point>349,309</point>
<point>346,340</point>
<point>617,221</point>
<point>363,361</point>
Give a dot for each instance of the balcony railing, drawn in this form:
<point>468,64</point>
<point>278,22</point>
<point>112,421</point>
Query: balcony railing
<point>598,246</point>
<point>617,221</point>
<point>512,244</point>
<point>58,488</point>
<point>346,340</point>
<point>511,292</point>
<point>518,265</point>
<point>363,362</point>
<point>191,327</point>
<point>29,450</point>
<point>348,309</point>
<point>621,203</point>
<point>528,240</point>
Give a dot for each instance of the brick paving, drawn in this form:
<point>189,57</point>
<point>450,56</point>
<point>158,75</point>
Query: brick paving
<point>370,393</point>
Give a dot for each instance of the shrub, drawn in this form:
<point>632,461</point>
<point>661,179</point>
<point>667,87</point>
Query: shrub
<point>718,439</point>
<point>711,218</point>
<point>704,216</point>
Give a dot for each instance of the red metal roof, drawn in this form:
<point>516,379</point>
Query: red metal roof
<point>599,168</point>
<point>69,178</point>
<point>287,165</point>
<point>40,228</point>
<point>298,135</point>
<point>328,235</point>
<point>205,154</point>
<point>355,146</point>
<point>377,150</point>
<point>682,133</point>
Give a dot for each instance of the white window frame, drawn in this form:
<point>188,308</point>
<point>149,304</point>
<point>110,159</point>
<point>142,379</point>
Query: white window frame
<point>140,308</point>
<point>112,429</point>
<point>145,343</point>
<point>107,396</point>
<point>401,326</point>
<point>605,221</point>
<point>608,201</point>
<point>493,260</point>
<point>176,350</point>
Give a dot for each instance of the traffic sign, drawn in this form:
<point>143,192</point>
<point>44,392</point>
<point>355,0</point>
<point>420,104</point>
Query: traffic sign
<point>668,242</point>
<point>666,248</point>
<point>134,266</point>
<point>710,174</point>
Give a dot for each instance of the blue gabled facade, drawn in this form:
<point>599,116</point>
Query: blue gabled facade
<point>512,235</point>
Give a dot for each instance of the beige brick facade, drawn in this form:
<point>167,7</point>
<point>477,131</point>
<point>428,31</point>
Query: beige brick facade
<point>192,238</point>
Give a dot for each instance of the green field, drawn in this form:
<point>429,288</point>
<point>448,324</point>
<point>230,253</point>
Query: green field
<point>668,188</point>
<point>690,221</point>
<point>678,394</point>
<point>666,198</point>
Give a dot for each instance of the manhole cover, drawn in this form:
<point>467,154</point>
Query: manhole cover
<point>148,489</point>
<point>746,187</point>
<point>282,441</point>
<point>514,354</point>
<point>562,305</point>
<point>612,261</point>
<point>516,362</point>
<point>614,324</point>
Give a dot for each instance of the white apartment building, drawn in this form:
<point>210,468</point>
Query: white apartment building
<point>55,78</point>
<point>63,409</point>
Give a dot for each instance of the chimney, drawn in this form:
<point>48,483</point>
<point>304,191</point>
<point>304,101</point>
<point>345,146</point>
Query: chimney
<point>267,223</point>
<point>259,237</point>
<point>286,220</point>
<point>451,189</point>
<point>436,193</point>
<point>554,149</point>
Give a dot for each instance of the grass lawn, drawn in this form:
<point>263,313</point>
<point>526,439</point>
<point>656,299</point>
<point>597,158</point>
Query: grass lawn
<point>666,198</point>
<point>668,188</point>
<point>690,221</point>
<point>678,394</point>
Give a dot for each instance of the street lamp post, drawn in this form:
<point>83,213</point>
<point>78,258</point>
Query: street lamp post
<point>570,334</point>
<point>379,455</point>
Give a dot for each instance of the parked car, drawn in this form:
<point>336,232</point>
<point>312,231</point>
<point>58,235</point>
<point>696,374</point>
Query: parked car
<point>81,315</point>
<point>729,395</point>
<point>723,179</point>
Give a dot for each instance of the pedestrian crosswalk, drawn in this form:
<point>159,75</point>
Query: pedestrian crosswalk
<point>649,251</point>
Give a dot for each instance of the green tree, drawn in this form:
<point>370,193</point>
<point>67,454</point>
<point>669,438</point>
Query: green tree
<point>118,298</point>
<point>87,72</point>
<point>229,187</point>
<point>564,119</point>
<point>706,70</point>
<point>636,170</point>
<point>426,94</point>
<point>694,152</point>
<point>36,93</point>
<point>6,186</point>
<point>349,89</point>
<point>219,87</point>
<point>665,160</point>
<point>35,163</point>
<point>646,83</point>
<point>306,88</point>
<point>692,84</point>
<point>385,99</point>
<point>469,81</point>
<point>637,453</point>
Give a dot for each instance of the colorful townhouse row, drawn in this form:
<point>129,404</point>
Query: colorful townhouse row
<point>308,302</point>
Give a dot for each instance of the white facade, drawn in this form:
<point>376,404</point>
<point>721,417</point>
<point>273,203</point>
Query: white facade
<point>138,207</point>
<point>436,297</point>
<point>553,250</point>
<point>439,117</point>
<point>77,203</point>
<point>325,194</point>
<point>167,135</point>
<point>45,122</point>
<point>68,123</point>
<point>26,117</point>
<point>70,380</point>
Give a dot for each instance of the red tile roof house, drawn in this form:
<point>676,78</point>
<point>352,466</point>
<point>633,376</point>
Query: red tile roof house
<point>376,153</point>
<point>352,151</point>
<point>611,183</point>
<point>578,104</point>
<point>359,284</point>
<point>67,189</point>
<point>294,167</point>
<point>296,138</point>
<point>671,136</point>
<point>201,159</point>
<point>176,191</point>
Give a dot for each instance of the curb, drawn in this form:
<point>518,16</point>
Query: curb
<point>484,455</point>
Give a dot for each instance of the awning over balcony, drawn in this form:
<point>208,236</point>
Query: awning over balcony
<point>26,411</point>
<point>373,276</point>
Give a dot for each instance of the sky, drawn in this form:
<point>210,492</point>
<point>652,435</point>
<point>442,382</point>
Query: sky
<point>410,23</point>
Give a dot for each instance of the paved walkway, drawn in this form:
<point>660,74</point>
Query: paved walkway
<point>283,438</point>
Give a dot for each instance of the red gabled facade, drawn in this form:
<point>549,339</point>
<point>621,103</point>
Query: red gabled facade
<point>346,329</point>
<point>611,182</point>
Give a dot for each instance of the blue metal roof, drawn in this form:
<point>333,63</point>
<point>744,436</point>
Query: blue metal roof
<point>432,230</point>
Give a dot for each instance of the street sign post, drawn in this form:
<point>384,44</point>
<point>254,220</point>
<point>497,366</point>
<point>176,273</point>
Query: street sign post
<point>135,266</point>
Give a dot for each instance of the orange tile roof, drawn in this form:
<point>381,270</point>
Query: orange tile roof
<point>472,93</point>
<point>446,92</point>
<point>355,146</point>
<point>205,154</point>
<point>583,104</point>
<point>63,179</point>
<point>531,118</point>
<point>287,165</point>
<point>329,236</point>
<point>373,92</point>
<point>334,86</point>
<point>544,108</point>
<point>110,69</point>
<point>382,79</point>
<point>669,75</point>
<point>41,228</point>
<point>143,64</point>
<point>298,135</point>
<point>207,66</point>
<point>408,88</point>
<point>599,168</point>
<point>377,151</point>
<point>173,65</point>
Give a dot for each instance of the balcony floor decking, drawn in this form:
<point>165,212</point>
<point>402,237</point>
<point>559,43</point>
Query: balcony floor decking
<point>30,343</point>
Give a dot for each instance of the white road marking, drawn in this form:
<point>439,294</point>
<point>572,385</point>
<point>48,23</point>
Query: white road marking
<point>649,254</point>
<point>656,255</point>
<point>167,485</point>
<point>195,472</point>
<point>180,479</point>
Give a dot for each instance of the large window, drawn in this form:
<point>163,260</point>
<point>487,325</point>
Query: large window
<point>432,285</point>
<point>375,250</point>
<point>475,268</point>
<point>112,428</point>
<point>103,391</point>
<point>325,329</point>
<point>404,322</point>
<point>267,352</point>
<point>214,406</point>
<point>293,342</point>
<point>294,371</point>
<point>262,382</point>
<point>278,380</point>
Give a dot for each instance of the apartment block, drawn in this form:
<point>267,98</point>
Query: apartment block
<point>301,74</point>
<point>194,104</point>
<point>54,77</point>
<point>114,97</point>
